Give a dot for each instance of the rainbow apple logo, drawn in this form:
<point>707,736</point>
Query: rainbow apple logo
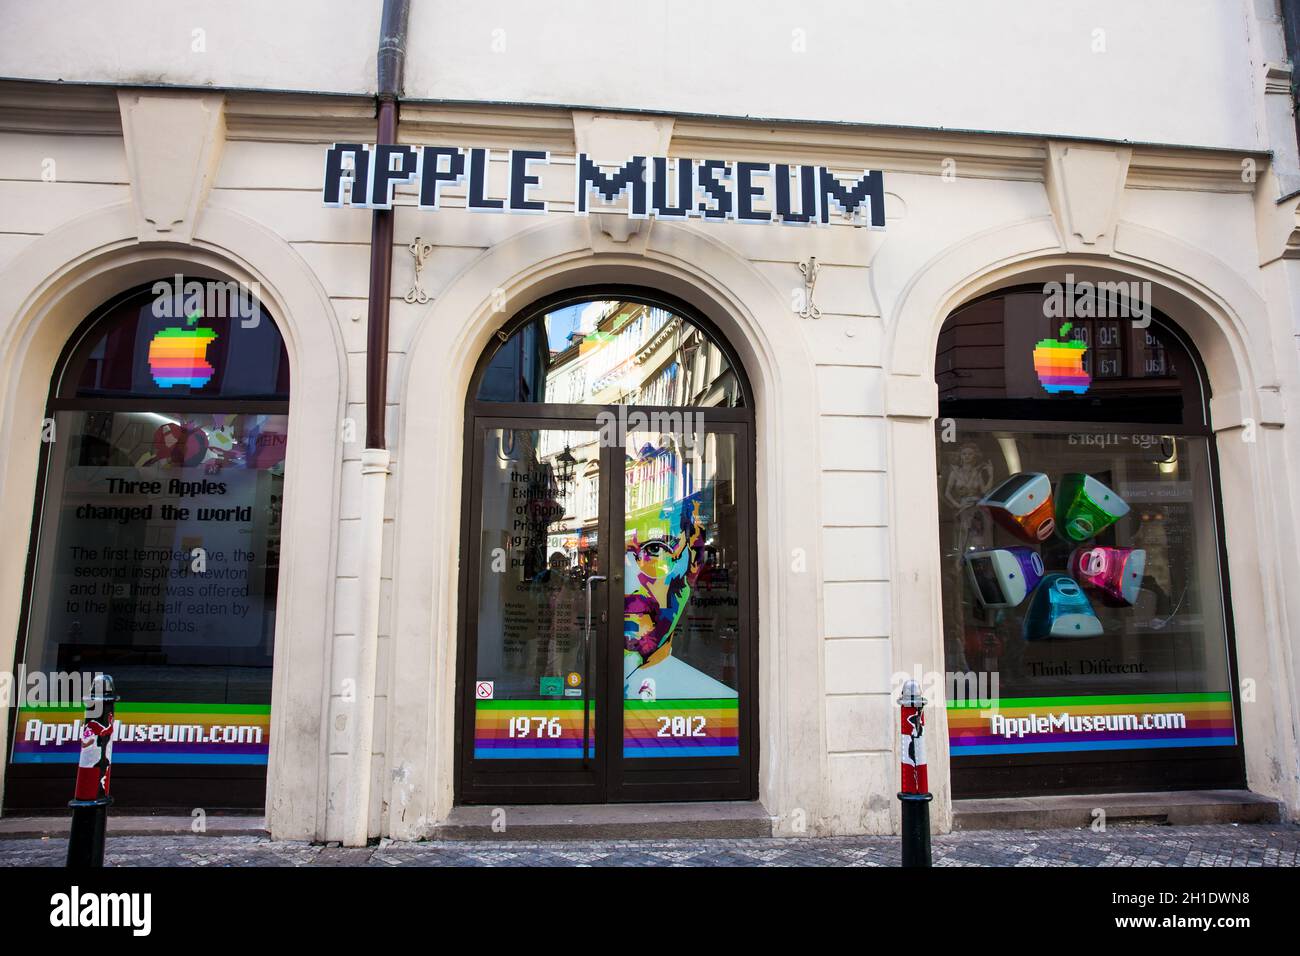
<point>179,356</point>
<point>1059,363</point>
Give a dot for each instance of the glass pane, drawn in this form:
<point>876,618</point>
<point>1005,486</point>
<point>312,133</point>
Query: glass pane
<point>1024,355</point>
<point>158,562</point>
<point>682,596</point>
<point>214,341</point>
<point>537,547</point>
<point>1082,599</point>
<point>609,352</point>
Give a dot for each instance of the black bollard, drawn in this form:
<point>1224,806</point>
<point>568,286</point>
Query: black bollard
<point>91,800</point>
<point>916,828</point>
<point>915,794</point>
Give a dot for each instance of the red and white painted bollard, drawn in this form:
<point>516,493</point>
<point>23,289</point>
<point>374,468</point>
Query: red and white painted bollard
<point>915,792</point>
<point>91,799</point>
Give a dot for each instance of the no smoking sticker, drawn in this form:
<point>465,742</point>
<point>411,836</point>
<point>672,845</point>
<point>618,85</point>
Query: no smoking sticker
<point>483,690</point>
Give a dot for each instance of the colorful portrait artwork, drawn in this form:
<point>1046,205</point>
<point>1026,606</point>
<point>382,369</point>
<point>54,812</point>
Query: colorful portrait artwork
<point>663,556</point>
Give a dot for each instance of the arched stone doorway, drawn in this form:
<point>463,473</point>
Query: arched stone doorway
<point>50,288</point>
<point>1087,626</point>
<point>156,547</point>
<point>608,648</point>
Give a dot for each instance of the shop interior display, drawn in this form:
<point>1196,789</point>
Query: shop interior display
<point>1081,509</point>
<point>1060,610</point>
<point>1114,573</point>
<point>1023,506</point>
<point>1004,577</point>
<point>1085,507</point>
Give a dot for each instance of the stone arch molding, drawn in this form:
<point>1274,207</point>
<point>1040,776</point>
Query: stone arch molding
<point>47,290</point>
<point>1224,316</point>
<point>558,255</point>
<point>1227,322</point>
<point>453,334</point>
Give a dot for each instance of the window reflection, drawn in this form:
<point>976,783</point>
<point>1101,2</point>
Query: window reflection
<point>132,495</point>
<point>1085,634</point>
<point>611,352</point>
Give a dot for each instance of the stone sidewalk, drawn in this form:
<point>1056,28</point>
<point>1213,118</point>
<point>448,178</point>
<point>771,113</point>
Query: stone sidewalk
<point>1218,845</point>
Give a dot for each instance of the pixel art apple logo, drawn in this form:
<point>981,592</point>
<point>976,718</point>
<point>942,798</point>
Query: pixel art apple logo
<point>1059,363</point>
<point>179,356</point>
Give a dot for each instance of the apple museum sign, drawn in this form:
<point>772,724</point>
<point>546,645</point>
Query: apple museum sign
<point>710,190</point>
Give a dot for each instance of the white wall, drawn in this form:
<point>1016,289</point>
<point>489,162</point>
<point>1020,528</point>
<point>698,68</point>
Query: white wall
<point>321,45</point>
<point>1172,71</point>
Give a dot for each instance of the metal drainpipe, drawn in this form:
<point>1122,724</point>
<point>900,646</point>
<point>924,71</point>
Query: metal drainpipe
<point>1291,36</point>
<point>374,457</point>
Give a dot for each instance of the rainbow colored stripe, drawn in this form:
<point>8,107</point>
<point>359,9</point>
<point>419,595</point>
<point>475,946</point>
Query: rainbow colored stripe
<point>672,728</point>
<point>177,357</point>
<point>1059,366</point>
<point>972,729</point>
<point>151,733</point>
<point>705,727</point>
<point>498,737</point>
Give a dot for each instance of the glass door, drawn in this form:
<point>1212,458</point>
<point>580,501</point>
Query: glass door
<point>529,721</point>
<point>608,634</point>
<point>683,651</point>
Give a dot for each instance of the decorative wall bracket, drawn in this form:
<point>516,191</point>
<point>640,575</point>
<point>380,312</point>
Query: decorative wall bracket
<point>808,308</point>
<point>420,251</point>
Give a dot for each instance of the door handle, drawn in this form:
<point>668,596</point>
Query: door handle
<point>586,667</point>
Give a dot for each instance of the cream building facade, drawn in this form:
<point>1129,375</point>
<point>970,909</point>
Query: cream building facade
<point>129,156</point>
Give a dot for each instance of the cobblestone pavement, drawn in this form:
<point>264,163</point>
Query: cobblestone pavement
<point>1218,845</point>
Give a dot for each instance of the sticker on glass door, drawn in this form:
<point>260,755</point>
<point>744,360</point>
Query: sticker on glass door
<point>537,559</point>
<point>524,729</point>
<point>681,607</point>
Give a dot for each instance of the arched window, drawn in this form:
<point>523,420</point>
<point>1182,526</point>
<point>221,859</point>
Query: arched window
<point>611,351</point>
<point>1087,635</point>
<point>156,546</point>
<point>608,648</point>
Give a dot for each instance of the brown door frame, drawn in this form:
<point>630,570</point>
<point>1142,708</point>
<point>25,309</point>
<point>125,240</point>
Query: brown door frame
<point>516,780</point>
<point>668,778</point>
<point>607,776</point>
<point>695,778</point>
